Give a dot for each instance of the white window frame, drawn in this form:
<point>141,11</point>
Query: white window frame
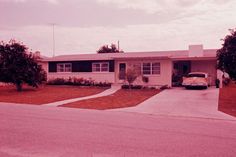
<point>64,68</point>
<point>158,70</point>
<point>150,68</point>
<point>100,68</point>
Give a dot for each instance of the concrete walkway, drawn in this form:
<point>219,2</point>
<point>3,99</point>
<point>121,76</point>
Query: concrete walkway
<point>182,102</point>
<point>109,91</point>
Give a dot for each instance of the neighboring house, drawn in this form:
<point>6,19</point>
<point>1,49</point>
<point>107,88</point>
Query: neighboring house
<point>161,67</point>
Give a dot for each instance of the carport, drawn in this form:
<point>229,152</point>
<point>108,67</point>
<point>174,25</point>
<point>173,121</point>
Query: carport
<point>181,67</point>
<point>195,60</point>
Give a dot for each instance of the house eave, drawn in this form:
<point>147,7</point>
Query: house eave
<point>192,58</point>
<point>140,58</point>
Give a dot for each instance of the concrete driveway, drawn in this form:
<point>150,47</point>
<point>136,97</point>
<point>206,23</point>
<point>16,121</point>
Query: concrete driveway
<point>182,102</point>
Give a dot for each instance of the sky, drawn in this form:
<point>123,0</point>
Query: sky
<point>83,26</point>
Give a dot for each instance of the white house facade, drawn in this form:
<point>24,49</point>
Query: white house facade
<point>160,67</point>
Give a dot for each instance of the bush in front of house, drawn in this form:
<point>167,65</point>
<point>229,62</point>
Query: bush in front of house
<point>102,84</point>
<point>57,81</point>
<point>125,86</point>
<point>145,79</point>
<point>217,82</point>
<point>164,87</point>
<point>226,81</point>
<point>77,82</point>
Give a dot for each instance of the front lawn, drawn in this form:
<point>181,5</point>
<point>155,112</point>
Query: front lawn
<point>227,99</point>
<point>122,98</point>
<point>45,94</point>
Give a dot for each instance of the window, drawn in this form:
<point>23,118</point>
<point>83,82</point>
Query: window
<point>100,67</point>
<point>104,67</point>
<point>146,68</point>
<point>156,70</point>
<point>64,67</point>
<point>151,68</point>
<point>96,67</point>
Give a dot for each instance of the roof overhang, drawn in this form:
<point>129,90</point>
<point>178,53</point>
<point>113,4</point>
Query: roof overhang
<point>141,58</point>
<point>192,58</point>
<point>74,59</point>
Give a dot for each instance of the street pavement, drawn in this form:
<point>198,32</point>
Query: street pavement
<point>42,131</point>
<point>181,102</point>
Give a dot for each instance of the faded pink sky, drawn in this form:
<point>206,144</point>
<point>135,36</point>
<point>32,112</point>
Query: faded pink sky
<point>82,26</point>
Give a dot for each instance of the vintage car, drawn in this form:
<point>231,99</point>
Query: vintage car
<point>196,79</point>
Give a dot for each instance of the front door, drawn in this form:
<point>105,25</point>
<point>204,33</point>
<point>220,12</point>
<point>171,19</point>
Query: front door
<point>122,70</point>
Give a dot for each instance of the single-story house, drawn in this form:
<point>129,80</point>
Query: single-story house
<point>160,67</point>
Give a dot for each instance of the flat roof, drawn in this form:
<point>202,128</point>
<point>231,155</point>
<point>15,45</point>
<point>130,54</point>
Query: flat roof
<point>178,54</point>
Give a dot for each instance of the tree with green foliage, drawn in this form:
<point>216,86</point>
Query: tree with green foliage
<point>107,49</point>
<point>19,66</point>
<point>226,56</point>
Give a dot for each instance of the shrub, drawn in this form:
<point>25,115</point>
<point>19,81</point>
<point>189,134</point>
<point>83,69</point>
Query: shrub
<point>125,86</point>
<point>137,87</point>
<point>88,82</point>
<point>152,88</point>
<point>57,81</point>
<point>217,82</point>
<point>78,82</point>
<point>226,81</point>
<point>145,79</point>
<point>102,84</point>
<point>164,87</point>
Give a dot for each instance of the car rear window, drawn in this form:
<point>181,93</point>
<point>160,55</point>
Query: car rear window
<point>196,75</point>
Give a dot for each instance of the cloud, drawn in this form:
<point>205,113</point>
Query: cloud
<point>53,1</point>
<point>17,1</point>
<point>23,1</point>
<point>150,6</point>
<point>168,6</point>
<point>177,34</point>
<point>167,26</point>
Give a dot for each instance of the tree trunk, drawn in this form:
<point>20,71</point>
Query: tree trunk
<point>19,87</point>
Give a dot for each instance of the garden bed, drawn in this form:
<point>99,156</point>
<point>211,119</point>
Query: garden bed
<point>45,94</point>
<point>122,98</point>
